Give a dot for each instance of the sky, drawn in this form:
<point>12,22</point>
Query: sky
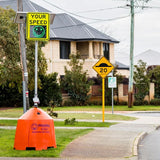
<point>112,17</point>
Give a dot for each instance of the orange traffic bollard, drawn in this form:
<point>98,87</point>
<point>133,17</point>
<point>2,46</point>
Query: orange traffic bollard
<point>35,130</point>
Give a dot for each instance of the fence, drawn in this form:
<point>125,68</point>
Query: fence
<point>122,95</point>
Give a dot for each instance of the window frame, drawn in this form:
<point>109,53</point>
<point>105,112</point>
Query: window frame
<point>106,52</point>
<point>65,49</point>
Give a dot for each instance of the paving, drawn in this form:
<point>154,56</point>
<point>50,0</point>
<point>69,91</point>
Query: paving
<point>118,142</point>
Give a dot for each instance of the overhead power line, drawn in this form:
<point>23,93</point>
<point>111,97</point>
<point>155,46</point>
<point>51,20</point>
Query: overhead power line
<point>99,10</point>
<point>138,6</point>
<point>88,18</point>
<point>97,20</point>
<point>81,24</point>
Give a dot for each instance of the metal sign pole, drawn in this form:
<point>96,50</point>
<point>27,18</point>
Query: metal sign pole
<point>112,96</point>
<point>112,102</point>
<point>36,99</point>
<point>103,97</point>
<point>24,97</point>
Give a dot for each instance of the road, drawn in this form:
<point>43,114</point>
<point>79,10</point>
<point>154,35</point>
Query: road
<point>149,148</point>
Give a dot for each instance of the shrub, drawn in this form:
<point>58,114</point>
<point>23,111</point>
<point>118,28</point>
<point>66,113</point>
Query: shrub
<point>145,102</point>
<point>139,102</point>
<point>68,103</point>
<point>115,102</point>
<point>75,81</point>
<point>122,103</point>
<point>10,96</point>
<point>50,90</point>
<point>51,109</point>
<point>155,102</point>
<point>70,121</point>
<point>94,103</point>
<point>141,80</point>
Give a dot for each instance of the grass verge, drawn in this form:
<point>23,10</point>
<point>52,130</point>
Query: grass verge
<point>108,108</point>
<point>92,116</point>
<point>63,137</point>
<point>17,112</point>
<point>61,124</point>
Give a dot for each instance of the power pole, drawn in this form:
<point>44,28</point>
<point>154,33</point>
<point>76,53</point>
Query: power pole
<point>130,88</point>
<point>22,48</point>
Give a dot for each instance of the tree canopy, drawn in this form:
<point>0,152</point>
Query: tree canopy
<point>141,80</point>
<point>10,65</point>
<point>154,74</point>
<point>75,81</point>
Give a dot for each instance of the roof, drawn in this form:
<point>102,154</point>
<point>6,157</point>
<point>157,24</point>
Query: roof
<point>121,66</point>
<point>64,27</point>
<point>28,6</point>
<point>67,27</point>
<point>151,57</point>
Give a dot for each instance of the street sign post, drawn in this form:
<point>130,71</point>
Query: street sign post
<point>103,67</point>
<point>112,83</point>
<point>38,25</point>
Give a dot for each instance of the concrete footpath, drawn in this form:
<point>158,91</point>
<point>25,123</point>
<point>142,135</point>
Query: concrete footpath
<point>118,142</point>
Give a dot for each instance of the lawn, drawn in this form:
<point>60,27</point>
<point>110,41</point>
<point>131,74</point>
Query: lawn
<point>94,116</point>
<point>63,137</point>
<point>61,124</point>
<point>17,112</point>
<point>109,108</point>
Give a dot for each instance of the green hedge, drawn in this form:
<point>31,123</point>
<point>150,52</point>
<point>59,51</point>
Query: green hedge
<point>155,102</point>
<point>49,91</point>
<point>139,102</point>
<point>10,96</point>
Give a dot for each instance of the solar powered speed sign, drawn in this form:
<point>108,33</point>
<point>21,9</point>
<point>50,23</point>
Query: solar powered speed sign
<point>38,25</point>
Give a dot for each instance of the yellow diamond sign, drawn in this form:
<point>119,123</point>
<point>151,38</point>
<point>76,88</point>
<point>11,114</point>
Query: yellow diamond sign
<point>103,67</point>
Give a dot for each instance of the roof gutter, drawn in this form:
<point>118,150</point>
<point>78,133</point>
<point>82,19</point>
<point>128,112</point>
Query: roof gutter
<point>83,39</point>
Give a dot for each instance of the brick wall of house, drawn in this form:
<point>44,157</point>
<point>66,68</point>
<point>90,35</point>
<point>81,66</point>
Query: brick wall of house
<point>55,64</point>
<point>111,50</point>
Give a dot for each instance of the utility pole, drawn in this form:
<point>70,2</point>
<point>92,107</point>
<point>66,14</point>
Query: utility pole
<point>22,48</point>
<point>130,88</point>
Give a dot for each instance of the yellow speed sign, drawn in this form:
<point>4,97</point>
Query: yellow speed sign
<point>38,25</point>
<point>103,67</point>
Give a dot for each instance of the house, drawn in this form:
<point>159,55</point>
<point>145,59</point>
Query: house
<point>150,57</point>
<point>122,69</point>
<point>69,35</point>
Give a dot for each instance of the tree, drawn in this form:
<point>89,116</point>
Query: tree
<point>50,90</point>
<point>9,54</point>
<point>75,81</point>
<point>10,66</point>
<point>154,74</point>
<point>141,80</point>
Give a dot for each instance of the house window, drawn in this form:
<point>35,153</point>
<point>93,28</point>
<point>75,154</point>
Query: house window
<point>64,50</point>
<point>106,50</point>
